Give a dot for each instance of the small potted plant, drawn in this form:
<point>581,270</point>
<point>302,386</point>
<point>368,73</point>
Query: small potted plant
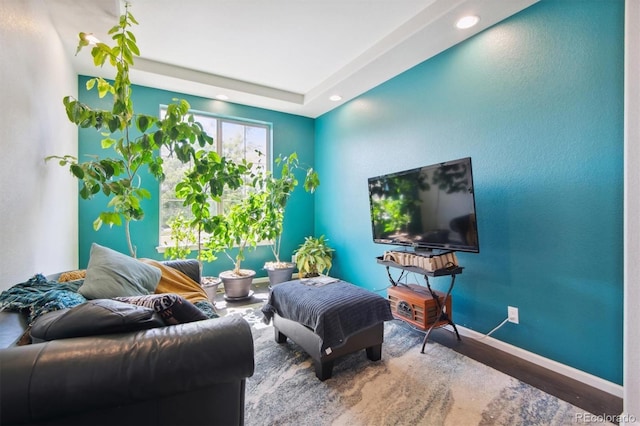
<point>314,257</point>
<point>277,191</point>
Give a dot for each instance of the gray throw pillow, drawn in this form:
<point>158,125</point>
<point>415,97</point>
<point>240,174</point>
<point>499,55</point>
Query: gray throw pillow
<point>112,274</point>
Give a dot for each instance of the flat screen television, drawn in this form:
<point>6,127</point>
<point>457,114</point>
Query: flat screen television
<point>428,208</point>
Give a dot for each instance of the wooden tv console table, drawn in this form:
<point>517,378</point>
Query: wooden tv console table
<point>441,300</point>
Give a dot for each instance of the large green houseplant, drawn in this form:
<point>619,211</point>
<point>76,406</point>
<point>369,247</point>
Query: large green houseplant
<point>203,183</point>
<point>240,230</point>
<point>258,217</point>
<point>133,139</point>
<point>277,191</point>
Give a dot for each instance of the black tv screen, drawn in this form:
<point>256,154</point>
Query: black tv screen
<point>430,207</point>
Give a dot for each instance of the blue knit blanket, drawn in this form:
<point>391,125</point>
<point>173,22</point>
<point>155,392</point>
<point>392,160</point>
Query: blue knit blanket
<point>37,296</point>
<point>333,311</point>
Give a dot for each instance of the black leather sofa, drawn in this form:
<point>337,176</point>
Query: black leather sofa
<point>186,374</point>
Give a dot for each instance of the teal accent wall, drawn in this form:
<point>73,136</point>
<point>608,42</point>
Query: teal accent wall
<point>289,133</point>
<point>537,102</point>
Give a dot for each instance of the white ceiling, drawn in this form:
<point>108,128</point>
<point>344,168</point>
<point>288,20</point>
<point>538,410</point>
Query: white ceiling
<point>285,55</point>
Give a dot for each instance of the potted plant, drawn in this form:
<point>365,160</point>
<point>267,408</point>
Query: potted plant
<point>204,181</point>
<point>240,229</point>
<point>277,192</point>
<point>314,257</point>
<point>117,177</point>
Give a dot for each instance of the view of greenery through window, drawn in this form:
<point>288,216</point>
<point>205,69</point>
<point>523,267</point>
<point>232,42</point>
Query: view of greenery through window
<point>233,139</point>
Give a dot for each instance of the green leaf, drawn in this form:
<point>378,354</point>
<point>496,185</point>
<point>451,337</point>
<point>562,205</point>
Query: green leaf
<point>99,56</point>
<point>77,171</point>
<point>113,123</point>
<point>143,193</point>
<point>131,44</point>
<point>158,136</point>
<point>85,193</point>
<point>110,218</point>
<point>143,123</point>
<point>107,143</point>
<point>103,88</point>
<point>127,56</point>
<point>132,19</point>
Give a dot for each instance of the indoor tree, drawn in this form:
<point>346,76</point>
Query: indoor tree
<point>259,216</point>
<point>241,228</point>
<point>133,139</point>
<point>278,189</point>
<point>202,184</point>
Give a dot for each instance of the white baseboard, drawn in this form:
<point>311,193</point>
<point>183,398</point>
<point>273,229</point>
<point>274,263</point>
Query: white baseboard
<point>573,373</point>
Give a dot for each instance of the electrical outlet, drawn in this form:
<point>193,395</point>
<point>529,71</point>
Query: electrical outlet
<point>512,313</point>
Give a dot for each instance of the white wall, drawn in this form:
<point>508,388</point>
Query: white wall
<point>38,201</point>
<point>632,218</point>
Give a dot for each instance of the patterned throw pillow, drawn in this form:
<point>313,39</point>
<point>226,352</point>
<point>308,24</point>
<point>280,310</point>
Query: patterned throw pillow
<point>173,308</point>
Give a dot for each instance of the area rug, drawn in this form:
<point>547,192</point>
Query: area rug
<point>439,387</point>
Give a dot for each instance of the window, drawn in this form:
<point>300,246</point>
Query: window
<point>234,139</point>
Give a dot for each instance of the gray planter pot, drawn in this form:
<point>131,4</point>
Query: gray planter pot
<point>280,275</point>
<point>210,285</point>
<point>237,288</point>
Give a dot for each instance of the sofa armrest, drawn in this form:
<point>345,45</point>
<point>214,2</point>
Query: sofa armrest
<point>66,376</point>
<point>189,267</point>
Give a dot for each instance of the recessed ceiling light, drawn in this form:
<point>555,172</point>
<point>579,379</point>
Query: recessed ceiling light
<point>467,22</point>
<point>222,97</point>
<point>335,98</point>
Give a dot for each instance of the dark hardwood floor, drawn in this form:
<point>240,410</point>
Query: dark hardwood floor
<point>588,398</point>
